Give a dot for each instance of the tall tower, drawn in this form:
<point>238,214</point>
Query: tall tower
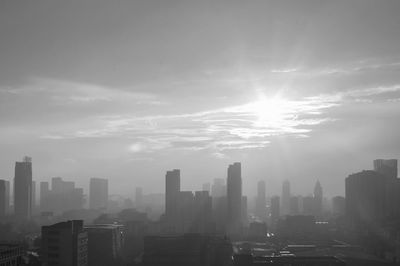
<point>23,189</point>
<point>3,197</point>
<point>318,195</point>
<point>234,196</point>
<point>172,190</point>
<point>261,201</point>
<point>388,168</point>
<point>98,194</point>
<point>285,197</point>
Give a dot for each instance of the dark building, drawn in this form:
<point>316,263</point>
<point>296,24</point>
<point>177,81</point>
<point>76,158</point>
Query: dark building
<point>261,201</point>
<point>318,196</point>
<point>23,189</point>
<point>365,199</point>
<point>234,197</point>
<point>258,230</point>
<point>202,219</point>
<point>11,254</point>
<point>44,196</point>
<point>3,198</point>
<point>105,244</point>
<point>188,249</point>
<point>297,227</point>
<point>98,193</point>
<point>275,210</point>
<point>172,190</point>
<point>387,168</point>
<point>64,244</point>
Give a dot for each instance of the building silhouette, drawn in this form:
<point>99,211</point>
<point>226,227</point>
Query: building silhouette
<point>3,198</point>
<point>23,189</point>
<point>234,198</point>
<point>172,193</point>
<point>294,205</point>
<point>11,254</point>
<point>387,168</point>
<point>318,196</point>
<point>44,196</point>
<point>261,201</point>
<point>98,193</point>
<point>64,244</point>
<point>218,188</point>
<point>285,199</point>
<point>275,210</point>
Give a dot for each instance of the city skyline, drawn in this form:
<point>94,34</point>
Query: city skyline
<point>298,91</point>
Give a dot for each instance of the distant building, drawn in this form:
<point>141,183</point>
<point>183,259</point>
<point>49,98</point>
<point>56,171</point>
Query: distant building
<point>105,244</point>
<point>218,188</point>
<point>65,244</point>
<point>285,199</point>
<point>23,189</point>
<point>202,219</point>
<point>184,221</point>
<point>206,187</point>
<point>297,226</point>
<point>98,193</point>
<point>185,250</point>
<point>172,190</point>
<point>338,205</point>
<point>261,201</point>
<point>234,196</point>
<point>44,196</point>
<point>294,205</point>
<point>318,196</point>
<point>258,230</point>
<point>11,254</point>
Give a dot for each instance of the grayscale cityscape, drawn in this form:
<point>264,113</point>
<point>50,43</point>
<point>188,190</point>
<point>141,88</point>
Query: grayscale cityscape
<point>199,133</point>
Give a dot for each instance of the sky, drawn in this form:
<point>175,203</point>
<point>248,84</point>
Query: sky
<point>128,89</point>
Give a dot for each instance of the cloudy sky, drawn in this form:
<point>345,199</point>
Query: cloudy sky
<point>298,90</point>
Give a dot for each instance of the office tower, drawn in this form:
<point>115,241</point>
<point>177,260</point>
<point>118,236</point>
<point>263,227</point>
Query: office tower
<point>98,193</point>
<point>44,196</point>
<point>234,196</point>
<point>65,244</point>
<point>245,219</point>
<point>33,195</point>
<point>3,208</point>
<point>220,211</point>
<point>218,188</point>
<point>275,210</point>
<point>172,190</point>
<point>23,189</point>
<point>206,187</point>
<point>365,199</point>
<point>202,212</point>
<point>387,168</point>
<point>261,202</point>
<point>11,254</point>
<point>294,205</point>
<point>105,244</point>
<point>318,196</point>
<point>184,221</point>
<point>285,200</point>
<point>138,197</point>
<point>338,205</point>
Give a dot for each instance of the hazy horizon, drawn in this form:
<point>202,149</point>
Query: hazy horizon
<point>126,90</point>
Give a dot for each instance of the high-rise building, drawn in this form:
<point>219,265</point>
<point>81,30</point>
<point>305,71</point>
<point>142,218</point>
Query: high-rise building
<point>275,210</point>
<point>11,254</point>
<point>294,205</point>
<point>218,188</point>
<point>338,205</point>
<point>285,199</point>
<point>387,168</point>
<point>202,212</point>
<point>33,195</point>
<point>3,208</point>
<point>65,244</point>
<point>7,200</point>
<point>365,199</point>
<point>23,189</point>
<point>98,193</point>
<point>261,201</point>
<point>234,197</point>
<point>206,187</point>
<point>44,196</point>
<point>172,190</point>
<point>105,244</point>
<point>318,196</point>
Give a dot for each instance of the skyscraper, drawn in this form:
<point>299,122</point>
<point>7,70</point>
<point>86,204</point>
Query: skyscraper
<point>285,200</point>
<point>44,194</point>
<point>275,210</point>
<point>387,168</point>
<point>65,244</point>
<point>234,196</point>
<point>261,202</point>
<point>98,193</point>
<point>318,196</point>
<point>23,189</point>
<point>218,188</point>
<point>172,190</point>
<point>2,198</point>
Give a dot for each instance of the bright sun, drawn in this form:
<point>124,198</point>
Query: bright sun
<point>269,112</point>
